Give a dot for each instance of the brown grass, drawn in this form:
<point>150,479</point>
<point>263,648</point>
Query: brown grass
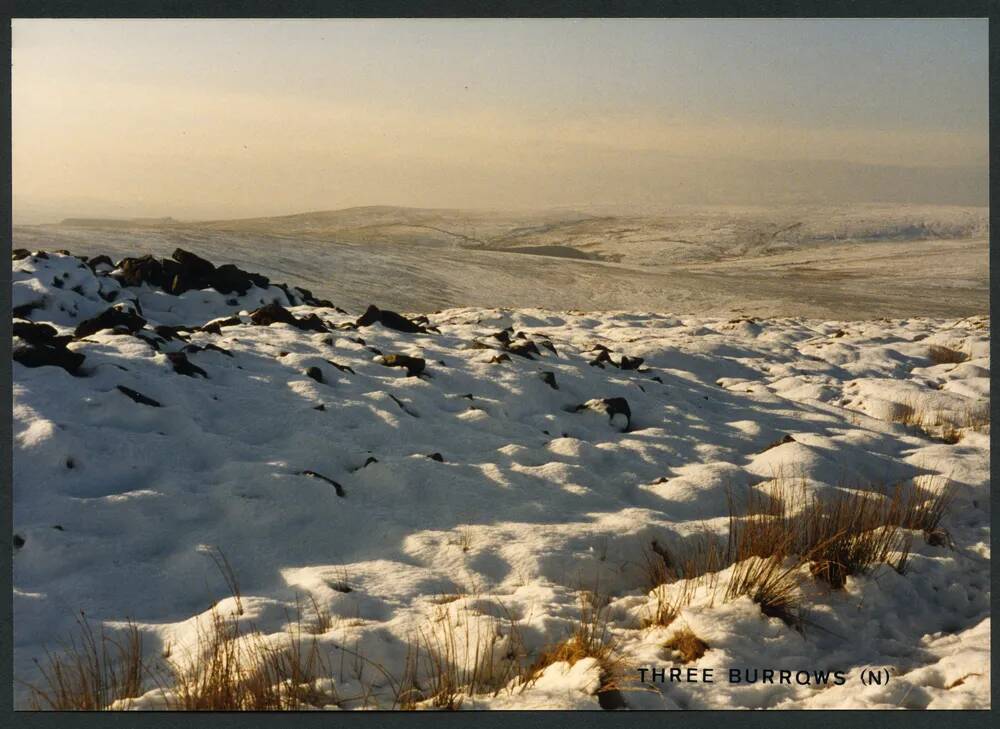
<point>688,646</point>
<point>591,638</point>
<point>92,672</point>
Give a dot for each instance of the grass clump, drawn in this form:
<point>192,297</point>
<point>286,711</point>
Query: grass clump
<point>92,672</point>
<point>686,645</point>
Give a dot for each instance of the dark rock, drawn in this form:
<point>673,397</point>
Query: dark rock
<point>389,319</point>
<point>58,282</point>
<point>171,333</point>
<point>611,699</point>
<point>215,327</point>
<point>19,541</point>
<point>46,354</point>
<point>192,264</point>
<point>436,457</point>
<point>503,335</point>
<point>183,366</point>
<point>98,260</point>
<point>548,345</point>
<point>370,461</point>
<point>414,365</point>
<point>402,406</point>
<point>337,486</point>
<point>138,397</point>
<point>524,349</point>
<point>32,332</point>
<point>657,378</point>
<point>138,271</point>
<point>601,359</point>
<point>18,253</point>
<point>275,313</point>
<point>612,406</point>
<point>342,368</point>
<point>781,441</point>
<point>631,363</point>
<point>58,527</point>
<point>110,319</point>
<point>316,373</point>
<point>70,463</point>
<point>549,378</point>
<point>228,279</point>
<point>321,407</point>
<point>22,311</point>
<point>502,357</point>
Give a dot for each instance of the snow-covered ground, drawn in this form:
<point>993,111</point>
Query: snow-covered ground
<point>295,450</point>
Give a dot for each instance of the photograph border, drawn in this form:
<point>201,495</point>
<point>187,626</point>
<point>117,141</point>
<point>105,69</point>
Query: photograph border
<point>496,9</point>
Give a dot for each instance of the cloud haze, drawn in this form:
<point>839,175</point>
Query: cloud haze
<point>212,119</point>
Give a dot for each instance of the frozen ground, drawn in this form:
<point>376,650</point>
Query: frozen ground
<point>857,262</point>
<point>528,501</point>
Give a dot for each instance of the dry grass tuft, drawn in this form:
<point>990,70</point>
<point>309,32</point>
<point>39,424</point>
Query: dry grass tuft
<point>92,672</point>
<point>688,646</point>
<point>591,638</point>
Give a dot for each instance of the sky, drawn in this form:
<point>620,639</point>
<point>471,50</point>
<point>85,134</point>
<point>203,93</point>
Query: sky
<point>219,119</point>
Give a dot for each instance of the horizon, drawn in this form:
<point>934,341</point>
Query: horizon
<point>215,120</point>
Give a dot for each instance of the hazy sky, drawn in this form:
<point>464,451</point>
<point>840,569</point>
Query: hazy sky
<point>219,118</point>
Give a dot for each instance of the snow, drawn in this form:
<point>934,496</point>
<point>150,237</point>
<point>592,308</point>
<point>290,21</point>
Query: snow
<point>533,499</point>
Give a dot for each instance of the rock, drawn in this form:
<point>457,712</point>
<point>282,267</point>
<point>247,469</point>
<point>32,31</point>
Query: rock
<point>436,457</point>
<point>781,441</point>
<point>611,699</point>
<point>414,365</point>
<point>193,265</point>
<point>315,373</point>
<point>549,378</point>
<point>110,319</point>
<point>19,541</point>
<point>215,326</point>
<point>336,486</point>
<point>275,313</point>
<point>22,311</point>
<point>227,279</point>
<point>33,333</point>
<point>139,271</point>
<point>18,253</point>
<point>45,354</point>
<point>370,461</point>
<point>389,319</point>
<point>138,397</point>
<point>342,368</point>
<point>524,349</point>
<point>171,333</point>
<point>499,358</point>
<point>96,261</point>
<point>617,409</point>
<point>631,363</point>
<point>183,366</point>
<point>601,359</point>
<point>321,407</point>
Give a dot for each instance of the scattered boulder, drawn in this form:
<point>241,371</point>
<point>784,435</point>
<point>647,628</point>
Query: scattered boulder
<point>414,365</point>
<point>436,457</point>
<point>33,333</point>
<point>617,409</point>
<point>215,326</point>
<point>101,260</point>
<point>389,319</point>
<point>183,366</point>
<point>315,373</point>
<point>275,313</point>
<point>339,489</point>
<point>228,279</point>
<point>524,349</point>
<point>549,378</point>
<point>631,363</point>
<point>601,359</point>
<point>342,368</point>
<point>19,541</point>
<point>139,271</point>
<point>48,354</point>
<point>110,318</point>
<point>781,441</point>
<point>499,358</point>
<point>18,253</point>
<point>138,397</point>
